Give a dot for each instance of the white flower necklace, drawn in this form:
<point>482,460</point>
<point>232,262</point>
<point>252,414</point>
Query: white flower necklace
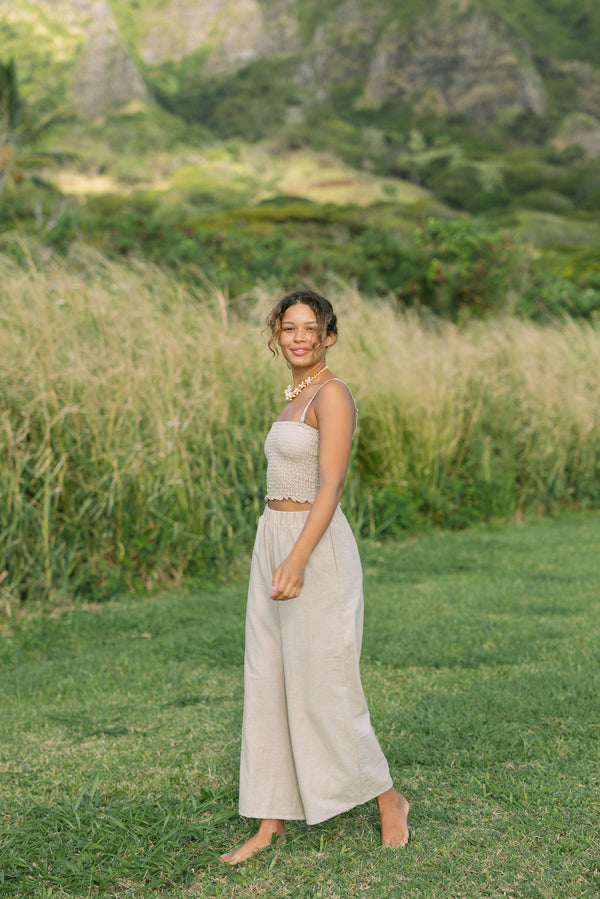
<point>290,391</point>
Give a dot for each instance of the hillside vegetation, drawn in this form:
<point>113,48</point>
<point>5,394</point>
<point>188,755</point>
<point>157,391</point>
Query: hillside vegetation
<point>188,118</point>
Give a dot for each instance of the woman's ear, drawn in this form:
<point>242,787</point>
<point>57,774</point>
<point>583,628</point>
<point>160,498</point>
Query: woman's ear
<point>330,339</point>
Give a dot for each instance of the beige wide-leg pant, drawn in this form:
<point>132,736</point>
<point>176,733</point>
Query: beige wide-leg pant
<point>308,748</point>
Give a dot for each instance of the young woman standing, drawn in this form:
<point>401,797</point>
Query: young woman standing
<point>308,749</point>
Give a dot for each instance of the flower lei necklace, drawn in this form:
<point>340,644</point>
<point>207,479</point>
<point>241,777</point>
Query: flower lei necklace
<point>290,391</point>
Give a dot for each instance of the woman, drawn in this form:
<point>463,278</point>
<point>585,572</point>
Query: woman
<point>308,748</point>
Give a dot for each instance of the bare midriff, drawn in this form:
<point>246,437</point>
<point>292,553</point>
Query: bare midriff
<point>288,505</point>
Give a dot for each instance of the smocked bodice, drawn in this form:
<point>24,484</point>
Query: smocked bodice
<point>292,451</point>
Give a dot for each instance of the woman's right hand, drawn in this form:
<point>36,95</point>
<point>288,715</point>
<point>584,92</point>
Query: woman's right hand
<point>288,580</point>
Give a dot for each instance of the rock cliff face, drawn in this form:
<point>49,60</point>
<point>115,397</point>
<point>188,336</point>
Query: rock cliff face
<point>232,33</point>
<point>343,48</point>
<point>105,75</point>
<point>453,58</point>
<point>465,65</point>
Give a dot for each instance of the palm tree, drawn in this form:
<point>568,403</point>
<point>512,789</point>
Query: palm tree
<point>10,115</point>
<point>18,156</point>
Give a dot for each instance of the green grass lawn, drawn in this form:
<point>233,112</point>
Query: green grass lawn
<point>120,733</point>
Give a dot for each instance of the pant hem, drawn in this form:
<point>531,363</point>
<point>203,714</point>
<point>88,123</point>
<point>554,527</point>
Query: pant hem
<point>346,808</point>
<point>310,820</point>
<point>272,817</point>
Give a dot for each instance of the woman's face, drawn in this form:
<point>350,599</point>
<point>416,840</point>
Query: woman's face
<point>301,339</point>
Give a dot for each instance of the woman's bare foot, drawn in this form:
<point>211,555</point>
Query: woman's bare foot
<point>393,812</point>
<point>268,832</point>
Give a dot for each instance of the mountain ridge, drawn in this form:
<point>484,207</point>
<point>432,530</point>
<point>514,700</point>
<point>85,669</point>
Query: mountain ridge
<point>445,57</point>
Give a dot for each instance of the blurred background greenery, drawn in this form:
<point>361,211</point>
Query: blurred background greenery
<point>166,169</point>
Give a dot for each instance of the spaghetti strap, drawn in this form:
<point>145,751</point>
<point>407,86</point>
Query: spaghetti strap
<point>314,395</point>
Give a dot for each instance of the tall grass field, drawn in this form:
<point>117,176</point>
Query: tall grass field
<point>133,413</point>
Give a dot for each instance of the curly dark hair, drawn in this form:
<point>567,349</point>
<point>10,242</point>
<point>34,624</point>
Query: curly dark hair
<point>322,308</point>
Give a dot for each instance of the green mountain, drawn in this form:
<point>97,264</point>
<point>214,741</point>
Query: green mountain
<point>200,119</point>
<point>491,61</point>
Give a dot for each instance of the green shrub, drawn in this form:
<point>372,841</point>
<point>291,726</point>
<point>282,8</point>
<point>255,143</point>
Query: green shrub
<point>387,512</point>
<point>567,180</point>
<point>548,295</point>
<point>588,194</point>
<point>249,104</point>
<point>520,178</point>
<point>31,202</point>
<point>457,184</point>
<point>545,201</point>
<point>468,268</point>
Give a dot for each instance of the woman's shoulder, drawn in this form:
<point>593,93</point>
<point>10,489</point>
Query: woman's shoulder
<point>338,387</point>
<point>333,393</point>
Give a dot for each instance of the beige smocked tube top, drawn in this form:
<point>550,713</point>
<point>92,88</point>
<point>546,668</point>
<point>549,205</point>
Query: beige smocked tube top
<point>292,451</point>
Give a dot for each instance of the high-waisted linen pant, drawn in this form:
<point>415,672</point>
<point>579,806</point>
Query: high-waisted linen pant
<point>308,748</point>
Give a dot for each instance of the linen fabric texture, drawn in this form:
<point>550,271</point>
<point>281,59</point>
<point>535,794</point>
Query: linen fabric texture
<point>308,749</point>
<point>292,450</point>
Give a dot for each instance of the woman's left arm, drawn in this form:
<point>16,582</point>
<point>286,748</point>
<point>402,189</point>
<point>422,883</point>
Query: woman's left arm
<point>336,417</point>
